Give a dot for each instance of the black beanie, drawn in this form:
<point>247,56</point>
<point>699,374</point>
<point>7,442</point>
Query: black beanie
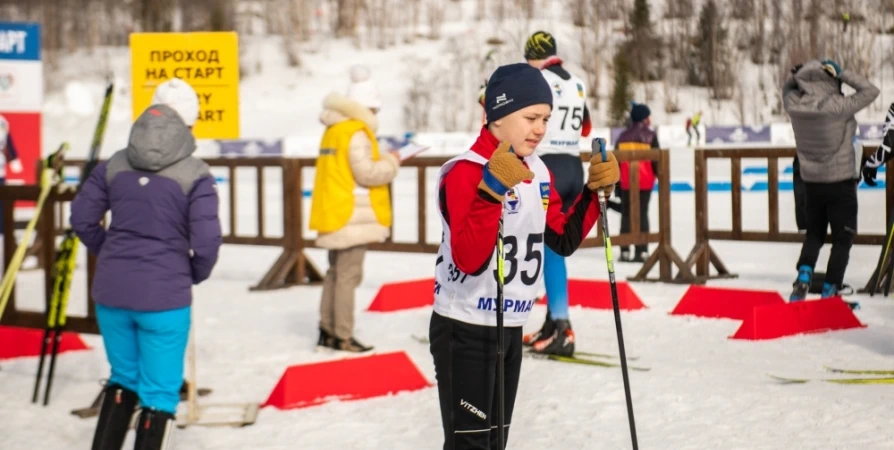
<point>540,45</point>
<point>639,112</point>
<point>513,87</point>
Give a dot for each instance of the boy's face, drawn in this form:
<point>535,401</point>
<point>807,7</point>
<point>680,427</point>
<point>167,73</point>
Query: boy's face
<point>524,128</point>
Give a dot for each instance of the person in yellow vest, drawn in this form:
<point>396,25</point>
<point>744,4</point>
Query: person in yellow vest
<point>350,207</point>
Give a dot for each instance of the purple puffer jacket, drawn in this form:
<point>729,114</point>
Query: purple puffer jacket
<point>164,234</point>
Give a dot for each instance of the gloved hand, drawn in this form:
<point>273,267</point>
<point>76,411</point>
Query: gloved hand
<point>832,68</point>
<point>603,175</point>
<point>503,172</point>
<point>869,173</point>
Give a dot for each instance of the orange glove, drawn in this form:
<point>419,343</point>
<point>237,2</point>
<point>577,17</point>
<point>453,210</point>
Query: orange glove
<point>603,175</point>
<point>503,172</point>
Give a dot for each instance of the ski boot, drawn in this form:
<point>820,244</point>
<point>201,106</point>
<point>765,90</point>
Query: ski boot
<point>549,325</point>
<point>154,430</point>
<point>118,406</point>
<point>559,342</point>
<point>829,290</point>
<point>801,284</point>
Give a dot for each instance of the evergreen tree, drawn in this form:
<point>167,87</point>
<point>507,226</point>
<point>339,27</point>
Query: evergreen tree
<point>642,44</point>
<point>622,92</point>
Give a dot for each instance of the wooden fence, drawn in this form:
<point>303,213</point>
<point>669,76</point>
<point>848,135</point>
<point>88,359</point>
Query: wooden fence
<point>293,267</point>
<point>703,256</point>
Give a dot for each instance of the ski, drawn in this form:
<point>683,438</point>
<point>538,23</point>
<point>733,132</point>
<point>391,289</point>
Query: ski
<point>860,371</point>
<point>49,178</point>
<point>424,340</point>
<point>579,360</point>
<point>93,409</point>
<point>64,265</point>
<point>789,380</point>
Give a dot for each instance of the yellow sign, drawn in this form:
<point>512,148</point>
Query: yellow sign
<point>208,61</point>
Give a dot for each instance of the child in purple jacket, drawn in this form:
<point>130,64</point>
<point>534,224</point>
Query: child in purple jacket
<point>164,236</point>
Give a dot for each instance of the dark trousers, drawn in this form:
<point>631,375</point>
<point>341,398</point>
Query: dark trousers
<point>644,197</point>
<point>465,357</point>
<point>800,196</point>
<point>835,205</point>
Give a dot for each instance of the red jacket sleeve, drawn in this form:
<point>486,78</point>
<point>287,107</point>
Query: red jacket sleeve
<point>473,217</point>
<point>566,231</point>
<point>587,125</point>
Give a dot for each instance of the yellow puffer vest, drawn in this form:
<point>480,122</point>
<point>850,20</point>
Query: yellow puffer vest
<point>333,197</point>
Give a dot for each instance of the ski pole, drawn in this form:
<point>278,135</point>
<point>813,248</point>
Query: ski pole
<point>501,417</point>
<point>599,147</point>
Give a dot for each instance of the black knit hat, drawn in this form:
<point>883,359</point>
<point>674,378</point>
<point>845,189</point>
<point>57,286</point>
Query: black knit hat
<point>540,45</point>
<point>639,112</point>
<point>513,87</point>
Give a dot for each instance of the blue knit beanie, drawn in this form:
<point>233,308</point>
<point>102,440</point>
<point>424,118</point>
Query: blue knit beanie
<point>639,112</point>
<point>513,87</point>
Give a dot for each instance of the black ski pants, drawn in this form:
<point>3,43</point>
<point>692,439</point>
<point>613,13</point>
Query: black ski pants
<point>644,197</point>
<point>835,205</point>
<point>465,357</point>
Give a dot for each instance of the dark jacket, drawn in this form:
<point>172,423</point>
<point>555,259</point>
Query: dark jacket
<point>164,234</point>
<point>638,136</point>
<point>824,124</point>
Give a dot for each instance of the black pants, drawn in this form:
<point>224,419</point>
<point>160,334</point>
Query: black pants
<point>832,204</point>
<point>644,197</point>
<point>800,196</point>
<point>568,176</point>
<point>465,358</point>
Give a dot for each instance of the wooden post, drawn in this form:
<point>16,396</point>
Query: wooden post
<point>736,178</point>
<point>232,174</point>
<point>421,236</point>
<point>701,211</point>
<point>773,194</point>
<point>261,211</point>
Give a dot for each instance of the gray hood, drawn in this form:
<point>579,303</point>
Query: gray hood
<point>158,139</point>
<point>816,82</point>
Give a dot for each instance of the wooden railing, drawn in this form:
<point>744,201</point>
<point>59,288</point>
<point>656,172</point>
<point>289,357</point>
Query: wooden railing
<point>293,267</point>
<point>703,256</point>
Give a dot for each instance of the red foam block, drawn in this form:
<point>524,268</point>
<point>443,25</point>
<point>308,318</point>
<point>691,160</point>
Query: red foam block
<point>787,319</point>
<point>404,295</point>
<point>308,385</point>
<point>17,342</point>
<point>727,303</point>
<point>597,294</point>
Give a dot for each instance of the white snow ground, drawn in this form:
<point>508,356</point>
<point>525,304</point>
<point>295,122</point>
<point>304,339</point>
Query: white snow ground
<point>704,390</point>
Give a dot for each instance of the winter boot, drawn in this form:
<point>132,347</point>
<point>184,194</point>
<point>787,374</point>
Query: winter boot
<point>625,256</point>
<point>118,405</point>
<point>351,345</point>
<point>326,341</point>
<point>801,284</point>
<point>549,325</point>
<point>559,342</point>
<point>829,290</point>
<point>154,430</point>
<point>641,256</point>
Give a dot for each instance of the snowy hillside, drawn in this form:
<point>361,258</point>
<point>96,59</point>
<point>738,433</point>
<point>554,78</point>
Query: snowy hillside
<point>278,101</point>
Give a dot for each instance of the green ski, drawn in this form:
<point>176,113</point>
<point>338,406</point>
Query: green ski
<point>861,371</point>
<point>787,380</point>
<point>579,360</point>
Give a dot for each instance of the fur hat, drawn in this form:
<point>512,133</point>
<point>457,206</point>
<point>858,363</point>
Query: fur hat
<point>179,96</point>
<point>362,89</point>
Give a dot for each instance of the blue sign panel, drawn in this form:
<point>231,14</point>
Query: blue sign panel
<point>20,41</point>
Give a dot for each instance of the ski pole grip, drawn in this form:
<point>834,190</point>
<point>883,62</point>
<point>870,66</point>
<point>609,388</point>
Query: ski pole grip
<point>598,146</point>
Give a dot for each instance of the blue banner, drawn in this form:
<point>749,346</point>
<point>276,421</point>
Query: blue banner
<point>737,135</point>
<point>19,41</point>
<point>249,148</point>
